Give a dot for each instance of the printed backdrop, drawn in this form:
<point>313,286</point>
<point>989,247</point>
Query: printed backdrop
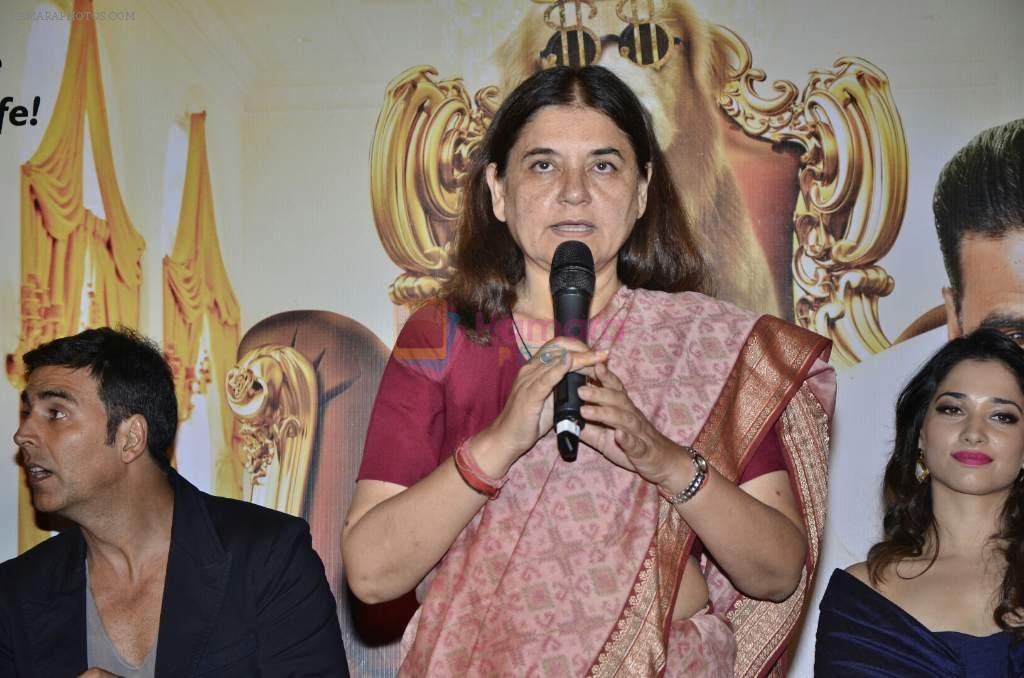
<point>265,188</point>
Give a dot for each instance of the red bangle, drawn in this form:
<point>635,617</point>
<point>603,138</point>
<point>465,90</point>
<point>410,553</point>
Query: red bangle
<point>474,476</point>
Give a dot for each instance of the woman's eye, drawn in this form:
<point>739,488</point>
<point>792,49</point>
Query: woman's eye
<point>57,414</point>
<point>604,166</point>
<point>947,409</point>
<point>542,166</point>
<point>1006,417</point>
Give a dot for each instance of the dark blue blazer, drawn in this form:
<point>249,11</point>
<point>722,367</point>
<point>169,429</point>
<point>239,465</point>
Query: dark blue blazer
<point>244,595</point>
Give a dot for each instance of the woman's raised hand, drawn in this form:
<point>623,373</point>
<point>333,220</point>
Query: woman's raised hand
<point>621,432</point>
<point>528,413</point>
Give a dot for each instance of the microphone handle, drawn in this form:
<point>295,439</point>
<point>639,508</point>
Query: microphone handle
<point>572,313</point>
<point>568,421</point>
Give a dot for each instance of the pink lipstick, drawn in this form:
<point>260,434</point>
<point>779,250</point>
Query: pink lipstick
<point>972,458</point>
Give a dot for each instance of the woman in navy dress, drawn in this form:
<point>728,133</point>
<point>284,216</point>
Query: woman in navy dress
<point>942,593</point>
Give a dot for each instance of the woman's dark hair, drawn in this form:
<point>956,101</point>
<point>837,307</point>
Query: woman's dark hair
<point>909,528</point>
<point>131,376</point>
<point>660,253</point>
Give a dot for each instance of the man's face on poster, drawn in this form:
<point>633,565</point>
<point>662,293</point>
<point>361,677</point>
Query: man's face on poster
<point>991,286</point>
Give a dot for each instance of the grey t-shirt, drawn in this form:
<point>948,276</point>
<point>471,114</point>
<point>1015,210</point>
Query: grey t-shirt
<point>101,652</point>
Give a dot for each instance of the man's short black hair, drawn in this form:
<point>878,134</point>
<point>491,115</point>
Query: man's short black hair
<point>132,378</point>
<point>981,192</point>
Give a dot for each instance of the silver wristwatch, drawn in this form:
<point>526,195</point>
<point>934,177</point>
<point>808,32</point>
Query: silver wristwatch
<point>700,465</point>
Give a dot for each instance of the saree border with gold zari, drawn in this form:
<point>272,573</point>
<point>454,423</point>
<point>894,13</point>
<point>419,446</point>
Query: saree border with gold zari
<point>779,374</point>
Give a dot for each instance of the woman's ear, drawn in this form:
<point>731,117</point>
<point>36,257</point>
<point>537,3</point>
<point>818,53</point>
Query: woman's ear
<point>496,186</point>
<point>641,191</point>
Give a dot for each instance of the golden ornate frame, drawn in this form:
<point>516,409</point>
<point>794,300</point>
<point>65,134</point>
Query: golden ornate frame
<point>853,188</point>
<point>425,136</point>
<point>853,182</point>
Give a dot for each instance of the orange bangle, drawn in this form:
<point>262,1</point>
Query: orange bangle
<point>474,476</point>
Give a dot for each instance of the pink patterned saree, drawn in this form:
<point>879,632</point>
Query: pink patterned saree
<point>574,569</point>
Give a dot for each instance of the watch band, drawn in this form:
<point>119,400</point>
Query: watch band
<point>700,476</point>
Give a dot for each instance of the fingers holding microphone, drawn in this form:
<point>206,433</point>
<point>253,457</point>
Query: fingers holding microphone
<point>546,369</point>
<point>528,412</point>
<point>625,435</point>
<point>571,354</point>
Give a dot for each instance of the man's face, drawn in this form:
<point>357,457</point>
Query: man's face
<point>62,438</point>
<point>992,286</point>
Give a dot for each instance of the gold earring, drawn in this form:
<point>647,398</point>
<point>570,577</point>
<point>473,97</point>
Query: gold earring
<point>921,470</point>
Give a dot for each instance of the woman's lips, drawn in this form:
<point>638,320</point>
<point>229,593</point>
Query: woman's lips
<point>573,229</point>
<point>972,458</point>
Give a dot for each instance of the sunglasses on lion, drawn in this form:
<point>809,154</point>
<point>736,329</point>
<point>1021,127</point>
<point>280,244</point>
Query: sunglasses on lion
<point>643,41</point>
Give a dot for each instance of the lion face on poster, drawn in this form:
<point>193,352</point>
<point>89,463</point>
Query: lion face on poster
<point>681,91</point>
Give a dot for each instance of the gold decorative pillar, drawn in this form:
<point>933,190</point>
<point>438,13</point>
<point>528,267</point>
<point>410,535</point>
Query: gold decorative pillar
<point>273,394</point>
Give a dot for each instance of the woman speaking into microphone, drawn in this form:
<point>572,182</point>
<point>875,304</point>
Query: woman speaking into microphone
<point>682,536</point>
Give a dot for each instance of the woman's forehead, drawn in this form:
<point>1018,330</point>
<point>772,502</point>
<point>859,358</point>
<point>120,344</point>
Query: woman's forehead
<point>980,378</point>
<point>571,125</point>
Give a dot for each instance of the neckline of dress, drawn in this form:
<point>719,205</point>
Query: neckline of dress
<point>914,619</point>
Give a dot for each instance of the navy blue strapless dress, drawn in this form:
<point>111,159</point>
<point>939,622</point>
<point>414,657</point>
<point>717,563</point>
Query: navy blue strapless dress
<point>862,633</point>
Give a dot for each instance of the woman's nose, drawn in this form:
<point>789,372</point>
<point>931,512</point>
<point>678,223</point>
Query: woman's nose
<point>974,429</point>
<point>574,189</point>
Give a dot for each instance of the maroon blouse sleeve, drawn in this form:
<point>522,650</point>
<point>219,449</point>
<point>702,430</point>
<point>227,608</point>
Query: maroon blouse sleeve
<point>406,431</point>
<point>767,457</point>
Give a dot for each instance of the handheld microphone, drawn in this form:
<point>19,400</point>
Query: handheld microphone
<point>572,287</point>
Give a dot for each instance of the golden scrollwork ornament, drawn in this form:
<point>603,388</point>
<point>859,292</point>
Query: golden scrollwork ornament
<point>272,392</point>
<point>422,145</point>
<point>853,188</point>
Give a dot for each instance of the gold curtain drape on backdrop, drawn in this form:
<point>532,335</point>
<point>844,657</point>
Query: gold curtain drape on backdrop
<point>59,235</point>
<point>198,295</point>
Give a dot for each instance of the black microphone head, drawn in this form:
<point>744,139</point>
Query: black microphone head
<point>572,267</point>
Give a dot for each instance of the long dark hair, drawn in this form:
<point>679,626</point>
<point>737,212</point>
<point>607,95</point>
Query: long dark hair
<point>660,253</point>
<point>909,522</point>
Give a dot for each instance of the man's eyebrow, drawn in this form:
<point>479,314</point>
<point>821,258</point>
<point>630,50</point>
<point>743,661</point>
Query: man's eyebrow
<point>1003,322</point>
<point>56,394</point>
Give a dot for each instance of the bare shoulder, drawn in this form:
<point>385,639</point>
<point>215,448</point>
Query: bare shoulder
<point>860,571</point>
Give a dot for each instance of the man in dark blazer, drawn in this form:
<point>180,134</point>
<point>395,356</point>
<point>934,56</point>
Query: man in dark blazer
<point>155,577</point>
